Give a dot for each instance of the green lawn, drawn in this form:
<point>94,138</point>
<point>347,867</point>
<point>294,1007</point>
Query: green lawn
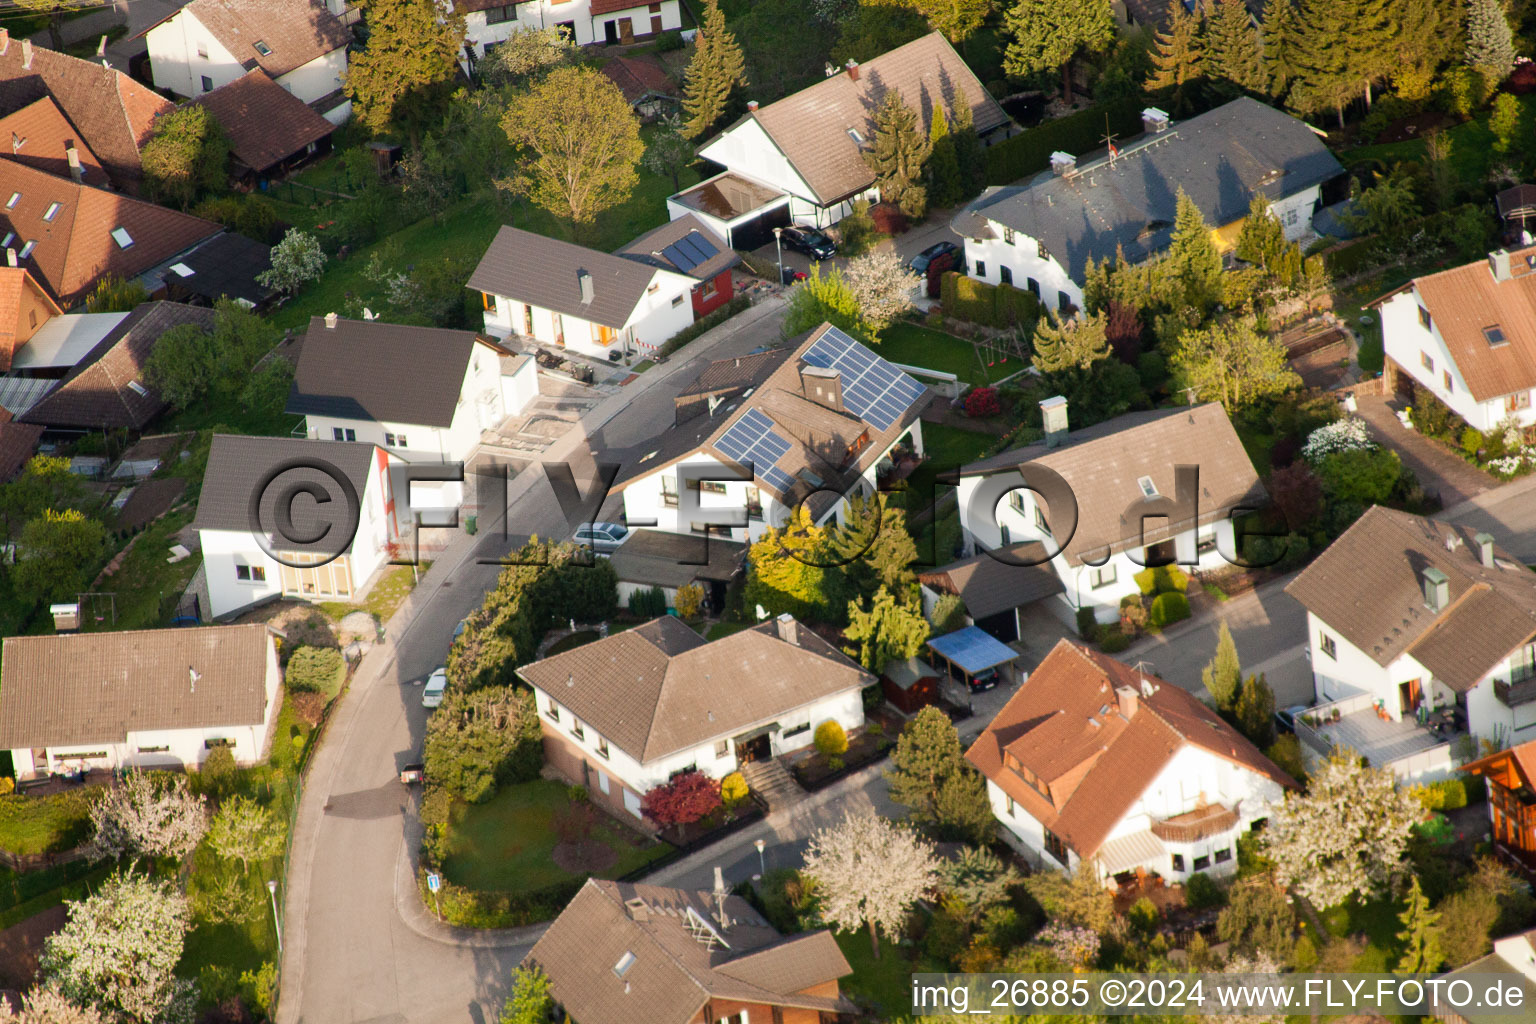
<point>22,896</point>
<point>505,844</point>
<point>146,587</point>
<point>1472,152</point>
<point>887,982</point>
<point>946,448</point>
<point>721,629</point>
<point>1257,443</point>
<point>934,350</point>
<point>40,824</point>
<point>1377,920</point>
<point>936,542</point>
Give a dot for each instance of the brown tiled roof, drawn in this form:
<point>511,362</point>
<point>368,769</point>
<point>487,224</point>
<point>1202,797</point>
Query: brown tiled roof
<point>40,136</point>
<point>638,77</point>
<point>661,688</point>
<point>543,271</point>
<point>295,31</point>
<point>664,559</point>
<point>1464,300</point>
<point>265,123</point>
<point>1094,749</point>
<point>150,500</point>
<point>614,6</point>
<point>650,248</point>
<point>103,389</point>
<point>75,249</point>
<point>17,443</point>
<point>114,114</point>
<point>988,585</point>
<point>1369,587</point>
<point>670,975</point>
<point>15,285</point>
<point>737,372</point>
<point>1103,463</point>
<point>98,687</point>
<point>811,126</point>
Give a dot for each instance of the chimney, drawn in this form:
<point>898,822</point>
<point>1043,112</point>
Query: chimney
<point>853,70</point>
<point>10,257</point>
<point>1498,264</point>
<point>1437,590</point>
<point>1053,413</point>
<point>584,280</point>
<point>5,39</point>
<point>75,170</point>
<point>822,385</point>
<point>752,106</point>
<point>789,629</point>
<point>1128,699</point>
<point>26,54</point>
<point>1063,163</point>
<point>330,321</point>
<point>1154,120</point>
<point>1485,549</point>
<point>638,911</point>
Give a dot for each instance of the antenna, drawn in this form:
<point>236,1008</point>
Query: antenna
<point>1109,141</point>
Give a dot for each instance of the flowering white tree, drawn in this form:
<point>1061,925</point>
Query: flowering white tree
<point>149,816</point>
<point>528,52</point>
<point>45,1006</point>
<point>883,286</point>
<point>1074,945</point>
<point>118,951</point>
<point>1348,833</point>
<point>869,871</point>
<point>296,260</point>
<point>244,830</point>
<point>1346,435</point>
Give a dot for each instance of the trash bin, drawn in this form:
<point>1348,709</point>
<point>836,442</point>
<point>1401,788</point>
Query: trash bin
<point>470,525</point>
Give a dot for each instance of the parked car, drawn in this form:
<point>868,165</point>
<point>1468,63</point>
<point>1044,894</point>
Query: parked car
<point>809,241</point>
<point>601,537</point>
<point>458,630</point>
<point>984,681</point>
<point>437,684</point>
<point>413,772</point>
<point>946,255</point>
<point>1285,718</point>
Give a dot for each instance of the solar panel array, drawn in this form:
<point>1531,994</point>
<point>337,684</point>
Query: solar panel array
<point>873,389</point>
<point>751,439</point>
<point>689,251</point>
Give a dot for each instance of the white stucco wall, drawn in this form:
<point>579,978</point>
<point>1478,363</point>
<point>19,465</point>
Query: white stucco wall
<point>663,310</point>
<point>176,64</point>
<point>519,387</point>
<point>1022,257</point>
<point>320,77</point>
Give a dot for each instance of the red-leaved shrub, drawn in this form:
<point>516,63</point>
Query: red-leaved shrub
<point>982,402</point>
<point>683,800</point>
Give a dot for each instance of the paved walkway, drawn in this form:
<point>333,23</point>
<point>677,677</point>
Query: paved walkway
<point>1439,471</point>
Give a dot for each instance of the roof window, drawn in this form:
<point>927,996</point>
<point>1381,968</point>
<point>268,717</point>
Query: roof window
<point>1148,488</point>
<point>138,389</point>
<point>10,236</point>
<point>182,270</point>
<point>262,48</point>
<point>1494,335</point>
<point>26,250</point>
<point>853,133</point>
<point>122,237</point>
<point>10,204</point>
<point>52,211</point>
<point>625,963</point>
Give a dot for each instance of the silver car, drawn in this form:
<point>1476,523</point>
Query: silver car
<point>437,684</point>
<point>601,537</point>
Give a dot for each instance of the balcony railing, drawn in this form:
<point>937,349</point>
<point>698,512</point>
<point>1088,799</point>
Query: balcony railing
<point>1515,692</point>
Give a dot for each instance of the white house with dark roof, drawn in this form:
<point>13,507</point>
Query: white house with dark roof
<point>568,296</point>
<point>1126,506</point>
<point>246,562</point>
<point>584,22</point>
<point>822,425</point>
<point>1039,235</point>
<point>688,246</point>
<point>811,146</point>
<point>426,394</point>
<point>149,698</point>
<point>626,713</point>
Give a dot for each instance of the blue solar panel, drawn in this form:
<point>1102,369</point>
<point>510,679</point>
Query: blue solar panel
<point>973,649</point>
<point>873,389</point>
<point>751,439</point>
<point>679,258</point>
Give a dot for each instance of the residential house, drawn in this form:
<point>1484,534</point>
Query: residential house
<point>86,371</point>
<point>149,698</point>
<point>657,558</point>
<point>42,138</point>
<point>830,418</point>
<point>24,307</point>
<point>568,296</point>
<point>994,588</point>
<point>18,441</point>
<point>270,130</point>
<point>224,267</point>
<point>70,236</point>
<point>1144,489</point>
<point>626,713</point>
<point>1041,234</point>
<point>247,562</point>
<point>487,23</point>
<point>806,152</point>
<point>1094,765</point>
<point>1514,960</point>
<point>1511,778</point>
<point>646,84</point>
<point>723,380</point>
<point>1468,336</point>
<point>300,44</point>
<point>685,958</point>
<point>426,395</point>
<point>687,246</point>
<point>111,115</point>
<point>1411,620</point>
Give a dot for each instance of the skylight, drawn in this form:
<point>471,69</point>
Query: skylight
<point>138,389</point>
<point>1148,488</point>
<point>122,237</point>
<point>625,963</point>
<point>10,236</point>
<point>26,250</point>
<point>52,211</point>
<point>182,270</point>
<point>853,133</point>
<point>10,204</point>
<point>262,48</point>
<point>1494,335</point>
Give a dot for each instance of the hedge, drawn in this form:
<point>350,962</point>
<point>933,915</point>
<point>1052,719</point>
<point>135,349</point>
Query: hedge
<point>704,323</point>
<point>1083,132</point>
<point>1450,794</point>
<point>991,305</point>
<point>1168,608</point>
<point>471,908</point>
<point>1161,579</point>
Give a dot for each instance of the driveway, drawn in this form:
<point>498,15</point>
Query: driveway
<point>935,228</point>
<point>1439,471</point>
<point>1508,512</point>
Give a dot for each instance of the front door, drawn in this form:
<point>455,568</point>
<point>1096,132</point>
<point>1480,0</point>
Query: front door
<point>755,749</point>
<point>626,31</point>
<point>1160,554</point>
<point>559,329</point>
<point>611,32</point>
<point>1411,696</point>
<point>527,320</point>
<point>39,760</point>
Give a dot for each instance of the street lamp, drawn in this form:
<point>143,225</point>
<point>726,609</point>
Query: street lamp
<point>761,867</point>
<point>778,255</point>
<point>278,921</point>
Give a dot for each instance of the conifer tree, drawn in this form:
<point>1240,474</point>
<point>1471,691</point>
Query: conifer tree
<point>901,149</point>
<point>1046,35</point>
<point>969,156</point>
<point>1426,36</point>
<point>1278,33</point>
<point>1232,46</point>
<point>1178,58</point>
<point>1490,48</point>
<point>1343,47</point>
<point>1224,673</point>
<point>944,187</point>
<point>1193,261</point>
<point>1420,937</point>
<point>716,69</point>
<point>1071,344</point>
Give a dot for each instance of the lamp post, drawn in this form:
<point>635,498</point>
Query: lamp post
<point>778,257</point>
<point>762,868</point>
<point>276,920</point>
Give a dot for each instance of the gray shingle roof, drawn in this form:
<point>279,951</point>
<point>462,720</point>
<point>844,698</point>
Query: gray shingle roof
<point>663,559</point>
<point>1221,159</point>
<point>543,272</point>
<point>367,370</point>
<point>989,585</point>
<point>650,247</point>
<point>98,687</point>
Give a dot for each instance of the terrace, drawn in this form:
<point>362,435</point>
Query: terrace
<point>1413,751</point>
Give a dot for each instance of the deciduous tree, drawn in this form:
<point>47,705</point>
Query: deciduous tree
<point>244,830</point>
<point>886,631</point>
<point>45,482</point>
<point>715,71</point>
<point>1079,899</point>
<point>793,569</point>
<point>957,19</point>
<point>185,157</point>
<point>1231,363</point>
<point>296,260</point>
<point>59,551</point>
<point>530,1001</point>
<point>46,1006</point>
<point>528,53</point>
<point>404,76</point>
<point>1258,918</point>
<point>1047,35</point>
<point>826,296</point>
<point>148,816</point>
<point>188,362</point>
<point>900,152</point>
<point>869,871</point>
<point>668,152</point>
<point>1346,835</point>
<point>683,800</point>
<point>883,286</point>
<point>579,143</point>
<point>1490,44</point>
<point>1298,495</point>
<point>1427,31</point>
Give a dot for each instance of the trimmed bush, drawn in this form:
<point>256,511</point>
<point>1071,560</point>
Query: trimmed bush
<point>980,403</point>
<point>1161,579</point>
<point>689,601</point>
<point>1169,608</point>
<point>1014,306</point>
<point>1030,151</point>
<point>831,740</point>
<point>1201,891</point>
<point>733,789</point>
<point>965,298</point>
<point>315,670</point>
<point>648,604</point>
<point>1444,795</point>
<point>1087,624</point>
<point>1113,640</point>
<point>1472,441</point>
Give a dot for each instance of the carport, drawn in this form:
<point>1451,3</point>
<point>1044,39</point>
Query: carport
<point>970,652</point>
<point>993,589</point>
<point>742,211</point>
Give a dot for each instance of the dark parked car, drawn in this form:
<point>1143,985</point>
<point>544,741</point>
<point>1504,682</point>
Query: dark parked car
<point>809,241</point>
<point>935,254</point>
<point>1285,719</point>
<point>984,681</point>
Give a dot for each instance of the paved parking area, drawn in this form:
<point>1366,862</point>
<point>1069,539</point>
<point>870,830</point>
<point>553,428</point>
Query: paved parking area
<point>1439,471</point>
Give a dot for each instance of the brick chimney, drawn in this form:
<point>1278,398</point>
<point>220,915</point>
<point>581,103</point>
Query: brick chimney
<point>1128,699</point>
<point>26,54</point>
<point>853,70</point>
<point>789,629</point>
<point>330,321</point>
<point>72,154</point>
<point>752,106</point>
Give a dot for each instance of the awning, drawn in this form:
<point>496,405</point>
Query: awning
<point>1124,853</point>
<point>972,649</point>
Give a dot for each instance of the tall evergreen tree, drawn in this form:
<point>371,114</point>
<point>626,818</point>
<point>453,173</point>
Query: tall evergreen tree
<point>1419,937</point>
<point>1193,261</point>
<point>969,155</point>
<point>1232,46</point>
<point>1178,58</point>
<point>1490,47</point>
<point>1278,33</point>
<point>1343,47</point>
<point>716,69</point>
<point>901,149</point>
<point>1046,35</point>
<point>944,185</point>
<point>1071,344</point>
<point>957,19</point>
<point>1426,34</point>
<point>1224,673</point>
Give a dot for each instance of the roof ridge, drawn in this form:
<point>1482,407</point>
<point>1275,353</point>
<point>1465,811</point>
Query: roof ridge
<point>118,633</point>
<point>619,903</point>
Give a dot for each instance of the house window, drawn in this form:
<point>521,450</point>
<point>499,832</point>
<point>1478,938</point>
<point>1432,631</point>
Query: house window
<point>1445,375</point>
<point>1008,805</point>
<point>602,747</point>
<point>722,748</point>
<point>552,709</point>
<point>400,439</point>
<point>1223,855</point>
<point>52,211</point>
<point>389,439</point>
<point>981,268</point>
<point>1201,863</point>
<point>1004,535</point>
<point>1005,274</point>
<point>1102,576</point>
<point>26,250</point>
<point>10,204</point>
<point>1040,521</point>
<point>1178,862</point>
<point>1148,488</point>
<point>1518,400</point>
<point>1063,302</point>
<point>497,15</point>
<point>122,237</point>
<point>1326,644</point>
<point>1007,236</point>
<point>707,290</point>
<point>1426,362</point>
<point>1494,336</point>
<point>262,48</point>
<point>250,573</point>
<point>1206,543</point>
<point>1424,320</point>
<point>1016,501</point>
<point>1055,847</point>
<point>1522,664</point>
<point>677,300</point>
<point>207,83</point>
<point>754,504</point>
<point>343,434</point>
<point>669,491</point>
<point>154,750</point>
<point>1033,286</point>
<point>577,730</point>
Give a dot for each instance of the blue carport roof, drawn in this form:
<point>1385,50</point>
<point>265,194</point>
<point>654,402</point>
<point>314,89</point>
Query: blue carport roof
<point>973,649</point>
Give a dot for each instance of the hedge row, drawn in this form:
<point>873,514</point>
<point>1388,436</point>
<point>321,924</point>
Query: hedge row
<point>1030,151</point>
<point>1450,794</point>
<point>704,323</point>
<point>470,908</point>
<point>991,305</point>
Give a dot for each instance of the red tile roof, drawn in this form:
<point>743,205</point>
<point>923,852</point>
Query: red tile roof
<point>615,6</point>
<point>1464,300</point>
<point>265,123</point>
<point>75,247</point>
<point>17,443</point>
<point>40,136</point>
<point>638,78</point>
<point>294,32</point>
<point>15,283</point>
